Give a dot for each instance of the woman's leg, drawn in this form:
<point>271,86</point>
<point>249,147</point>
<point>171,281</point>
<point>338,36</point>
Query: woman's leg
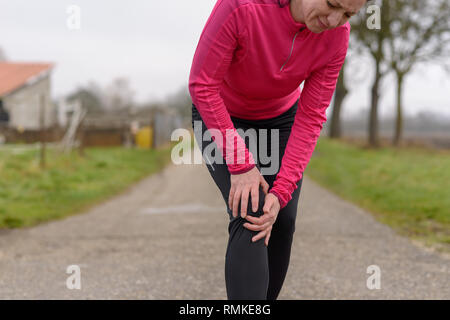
<point>280,242</point>
<point>246,262</point>
<point>253,271</point>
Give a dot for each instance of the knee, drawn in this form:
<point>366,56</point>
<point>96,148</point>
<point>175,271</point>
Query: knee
<point>261,199</point>
<point>237,223</point>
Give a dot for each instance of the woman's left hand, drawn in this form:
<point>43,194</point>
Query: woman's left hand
<point>264,223</point>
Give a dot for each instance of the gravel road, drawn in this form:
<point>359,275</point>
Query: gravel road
<point>166,236</point>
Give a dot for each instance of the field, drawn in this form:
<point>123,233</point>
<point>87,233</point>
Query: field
<point>406,188</point>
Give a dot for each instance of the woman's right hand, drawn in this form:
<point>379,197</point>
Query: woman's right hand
<point>241,186</point>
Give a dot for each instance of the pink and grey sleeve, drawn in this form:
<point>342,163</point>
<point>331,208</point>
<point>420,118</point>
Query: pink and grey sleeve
<point>211,61</point>
<point>309,119</point>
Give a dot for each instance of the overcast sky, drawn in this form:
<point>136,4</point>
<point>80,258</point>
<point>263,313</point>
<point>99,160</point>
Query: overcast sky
<point>152,43</point>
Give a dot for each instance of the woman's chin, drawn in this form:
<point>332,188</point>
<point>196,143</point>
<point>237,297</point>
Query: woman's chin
<point>314,29</point>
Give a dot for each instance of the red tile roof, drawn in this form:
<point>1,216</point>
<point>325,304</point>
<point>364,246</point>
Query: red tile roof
<point>15,75</point>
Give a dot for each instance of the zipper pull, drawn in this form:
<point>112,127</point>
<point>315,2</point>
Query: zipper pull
<point>292,48</point>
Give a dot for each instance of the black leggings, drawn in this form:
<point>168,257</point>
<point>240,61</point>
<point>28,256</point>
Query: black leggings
<point>252,270</point>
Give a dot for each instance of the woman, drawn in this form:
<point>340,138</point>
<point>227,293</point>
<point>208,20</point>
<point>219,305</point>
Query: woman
<point>250,60</point>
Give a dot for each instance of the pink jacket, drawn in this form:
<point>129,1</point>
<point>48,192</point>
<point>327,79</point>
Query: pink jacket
<point>249,63</point>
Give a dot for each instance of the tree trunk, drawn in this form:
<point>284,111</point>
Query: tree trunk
<point>373,117</point>
<point>399,120</point>
<point>375,98</point>
<point>341,92</point>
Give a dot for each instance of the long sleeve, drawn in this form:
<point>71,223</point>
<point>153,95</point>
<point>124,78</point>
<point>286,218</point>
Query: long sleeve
<point>213,56</point>
<point>309,119</point>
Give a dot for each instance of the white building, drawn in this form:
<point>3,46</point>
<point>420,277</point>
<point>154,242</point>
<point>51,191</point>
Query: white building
<point>25,95</point>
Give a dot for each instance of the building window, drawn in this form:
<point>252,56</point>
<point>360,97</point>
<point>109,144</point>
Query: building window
<point>4,116</point>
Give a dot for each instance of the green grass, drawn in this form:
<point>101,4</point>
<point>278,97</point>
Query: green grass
<point>407,188</point>
<point>70,183</point>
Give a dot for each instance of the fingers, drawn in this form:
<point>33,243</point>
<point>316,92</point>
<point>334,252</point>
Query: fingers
<point>260,235</point>
<point>244,202</point>
<point>236,198</point>
<point>230,197</point>
<point>245,185</point>
<point>268,204</point>
<point>255,199</point>
<point>256,227</point>
<point>262,223</point>
<point>266,241</point>
<point>265,229</point>
<point>260,220</point>
<point>265,185</point>
<point>241,196</point>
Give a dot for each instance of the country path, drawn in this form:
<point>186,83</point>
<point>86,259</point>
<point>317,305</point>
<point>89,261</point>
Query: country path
<point>166,236</point>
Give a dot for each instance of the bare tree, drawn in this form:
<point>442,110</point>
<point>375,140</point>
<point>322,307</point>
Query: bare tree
<point>419,33</point>
<point>90,98</point>
<point>339,96</point>
<point>410,32</point>
<point>374,42</point>
<point>119,95</point>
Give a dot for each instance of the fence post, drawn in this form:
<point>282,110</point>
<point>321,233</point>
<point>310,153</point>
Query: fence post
<point>153,128</point>
<point>42,126</point>
<point>81,140</point>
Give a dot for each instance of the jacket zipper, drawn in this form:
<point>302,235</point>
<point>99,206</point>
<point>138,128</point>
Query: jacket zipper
<point>292,48</point>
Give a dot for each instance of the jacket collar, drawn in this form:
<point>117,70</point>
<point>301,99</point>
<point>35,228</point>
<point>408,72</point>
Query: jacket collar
<point>292,24</point>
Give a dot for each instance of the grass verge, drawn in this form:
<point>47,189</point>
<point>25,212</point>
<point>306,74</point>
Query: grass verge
<point>70,183</point>
<point>405,188</point>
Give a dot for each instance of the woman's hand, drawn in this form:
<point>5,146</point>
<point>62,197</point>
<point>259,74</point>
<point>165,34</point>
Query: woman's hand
<point>265,222</point>
<point>241,186</point>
